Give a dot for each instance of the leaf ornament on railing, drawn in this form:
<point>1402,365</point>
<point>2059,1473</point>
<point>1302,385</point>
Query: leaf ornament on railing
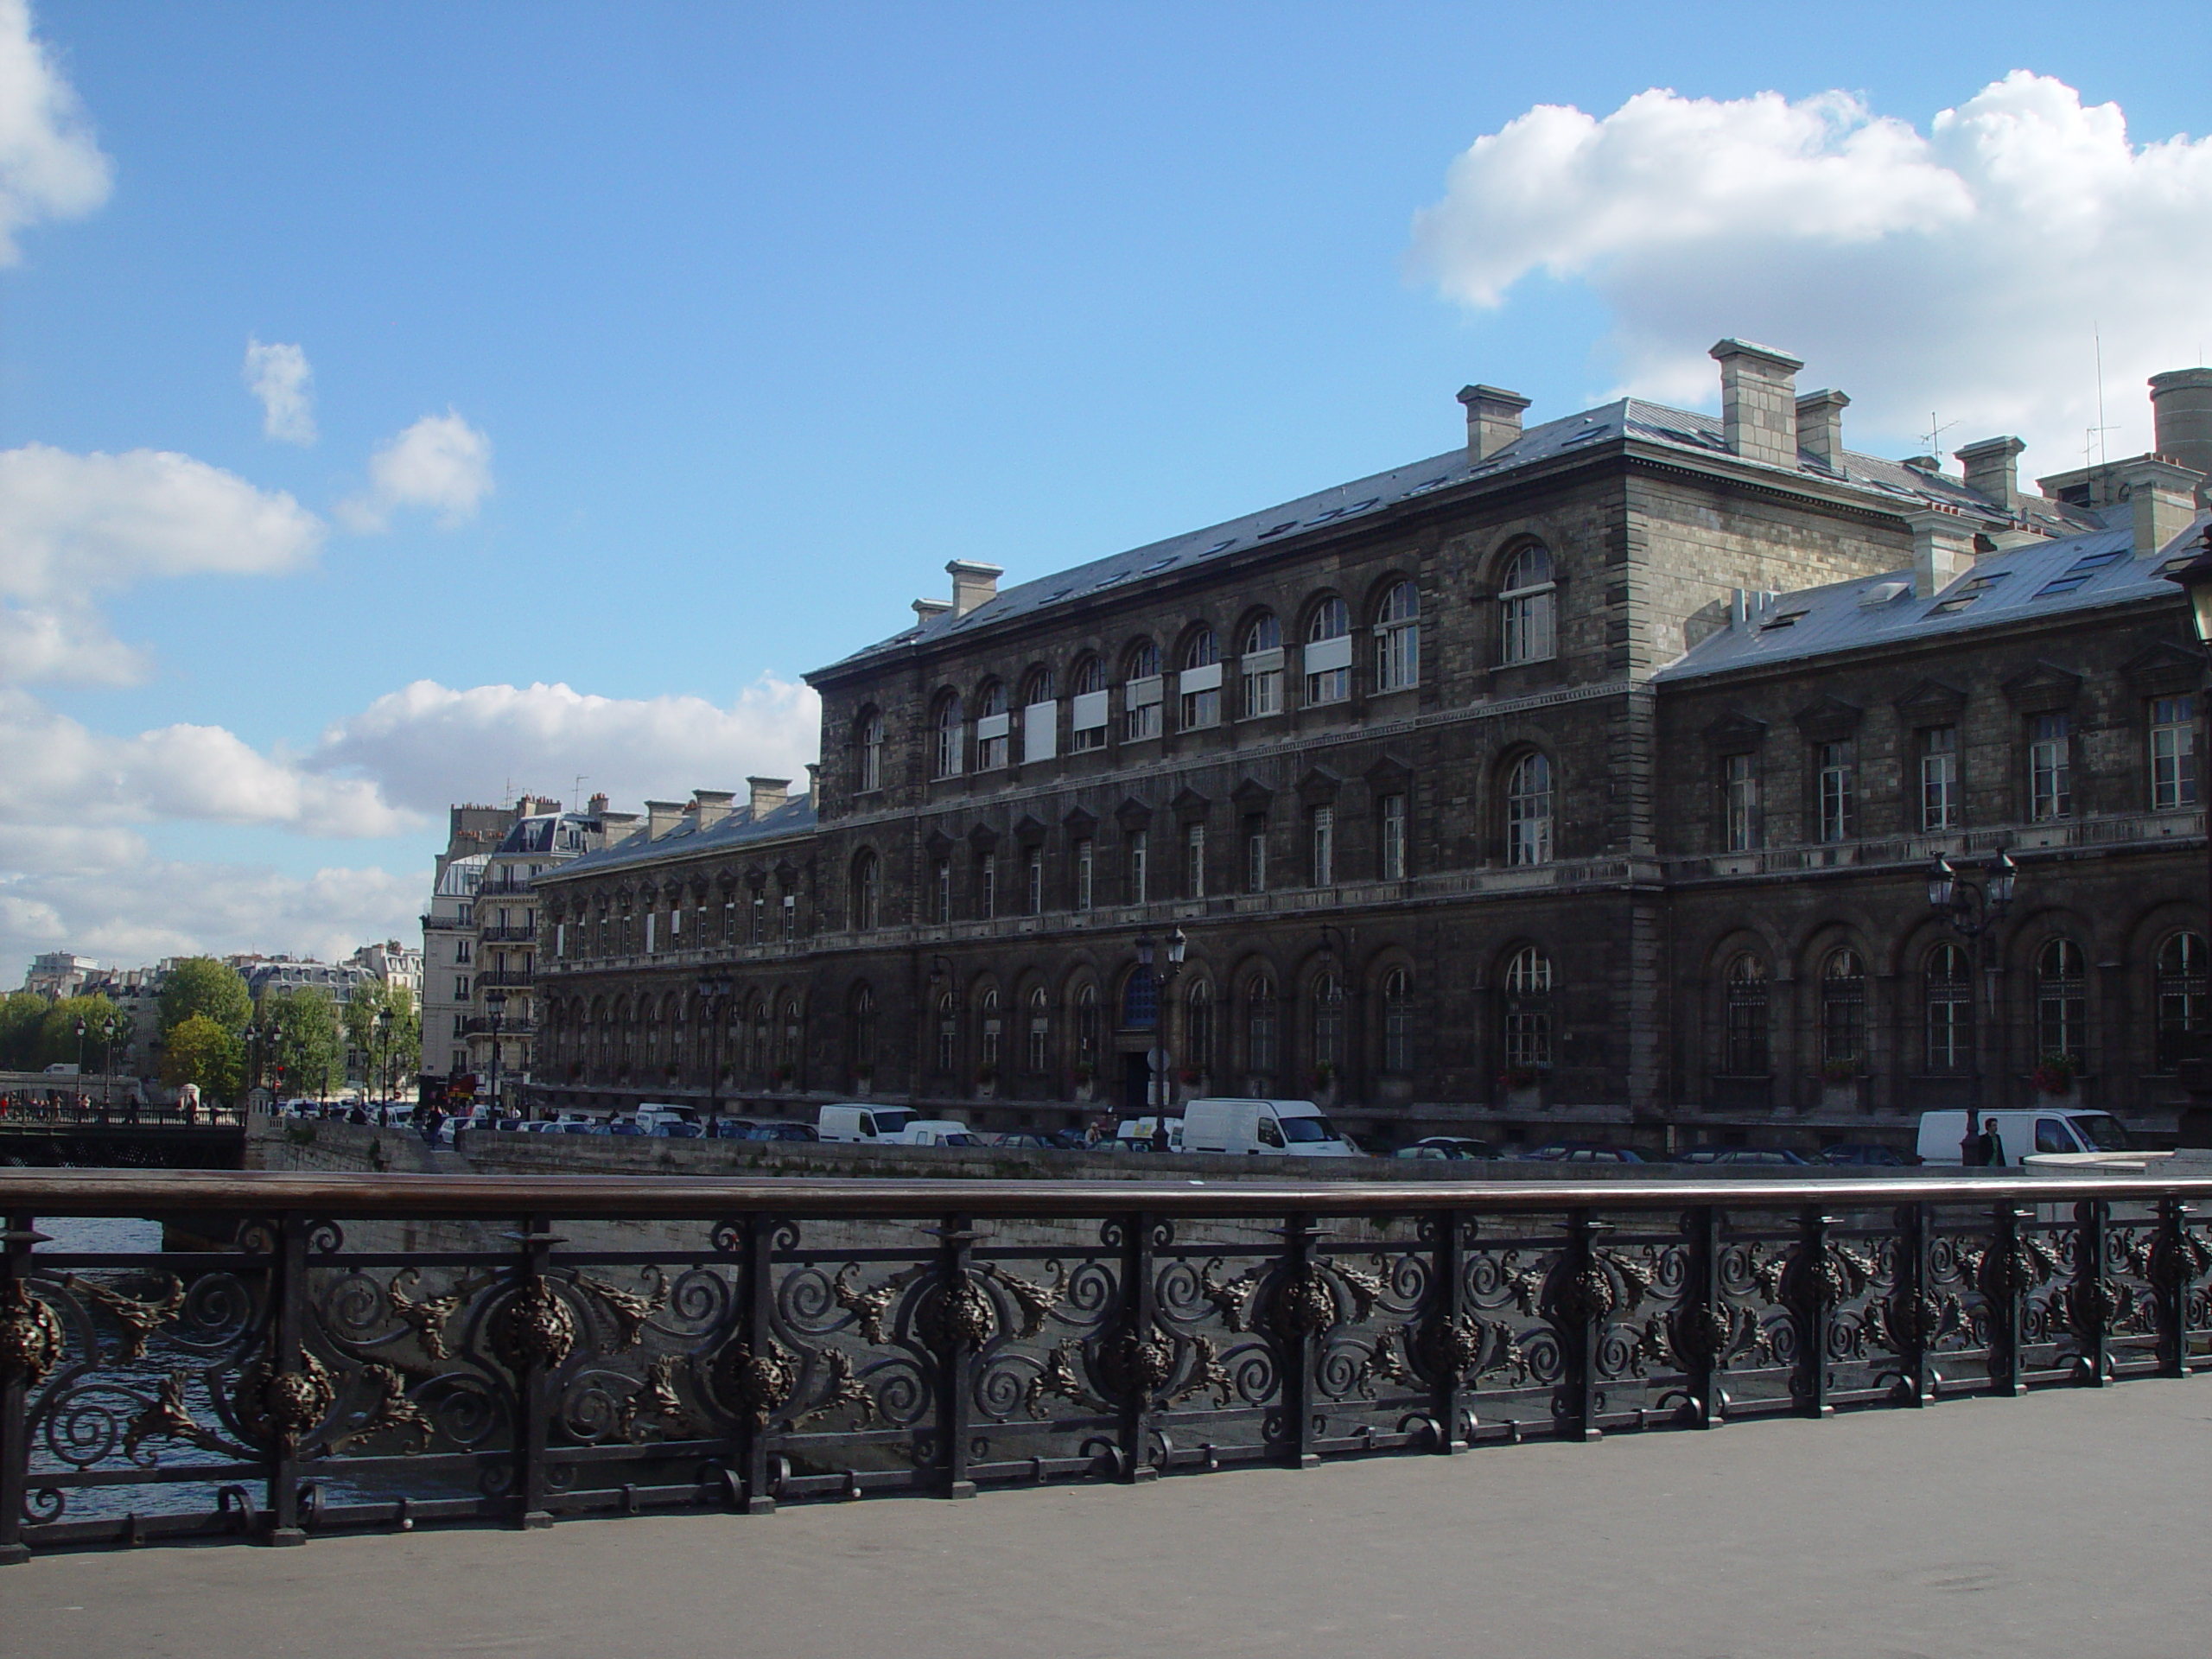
<point>139,1319</point>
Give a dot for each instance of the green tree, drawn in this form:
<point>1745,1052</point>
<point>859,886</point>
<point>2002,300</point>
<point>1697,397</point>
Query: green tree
<point>370,1001</point>
<point>202,985</point>
<point>312,1050</point>
<point>200,1050</point>
<point>21,1015</point>
<point>105,1026</point>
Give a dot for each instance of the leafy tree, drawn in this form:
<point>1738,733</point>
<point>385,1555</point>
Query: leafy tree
<point>106,1027</point>
<point>202,985</point>
<point>313,1049</point>
<point>21,1013</point>
<point>370,1000</point>
<point>200,1050</point>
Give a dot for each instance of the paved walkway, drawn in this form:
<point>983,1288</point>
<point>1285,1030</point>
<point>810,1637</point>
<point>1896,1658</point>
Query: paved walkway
<point>2063,1523</point>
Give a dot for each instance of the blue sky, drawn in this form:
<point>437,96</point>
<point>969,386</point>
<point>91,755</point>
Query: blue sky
<point>740,322</point>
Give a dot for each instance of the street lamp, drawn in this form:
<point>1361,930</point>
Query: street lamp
<point>496,1001</point>
<point>1972,911</point>
<point>1160,1058</point>
<point>80,1068</point>
<point>384,1032</point>
<point>715,991</point>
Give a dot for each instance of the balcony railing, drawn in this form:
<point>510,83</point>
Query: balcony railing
<point>609,1344</point>
<point>499,977</point>
<point>522,931</point>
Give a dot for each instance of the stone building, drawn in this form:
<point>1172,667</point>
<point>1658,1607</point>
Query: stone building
<point>1439,779</point>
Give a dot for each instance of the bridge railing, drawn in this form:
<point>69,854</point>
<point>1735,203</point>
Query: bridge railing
<point>317,1352</point>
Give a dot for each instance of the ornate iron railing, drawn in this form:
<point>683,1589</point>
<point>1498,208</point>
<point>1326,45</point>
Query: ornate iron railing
<point>318,1352</point>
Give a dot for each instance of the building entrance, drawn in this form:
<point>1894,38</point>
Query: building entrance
<point>1136,1083</point>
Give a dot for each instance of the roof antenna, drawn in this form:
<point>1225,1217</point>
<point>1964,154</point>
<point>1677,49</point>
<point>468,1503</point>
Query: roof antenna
<point>578,804</point>
<point>1935,435</point>
<point>2097,339</point>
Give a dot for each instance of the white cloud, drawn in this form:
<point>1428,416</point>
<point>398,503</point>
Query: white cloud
<point>50,166</point>
<point>279,376</point>
<point>1961,271</point>
<point>73,527</point>
<point>441,463</point>
<point>429,745</point>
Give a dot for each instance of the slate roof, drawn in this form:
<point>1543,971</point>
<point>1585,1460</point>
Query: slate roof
<point>795,816</point>
<point>2073,573</point>
<point>1627,418</point>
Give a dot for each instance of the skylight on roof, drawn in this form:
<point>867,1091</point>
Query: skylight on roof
<point>1277,530</point>
<point>1221,546</point>
<point>2080,571</point>
<point>1975,588</point>
<point>1782,620</point>
<point>1158,564</point>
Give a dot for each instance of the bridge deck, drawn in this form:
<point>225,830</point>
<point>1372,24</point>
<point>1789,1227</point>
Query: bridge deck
<point>2069,1521</point>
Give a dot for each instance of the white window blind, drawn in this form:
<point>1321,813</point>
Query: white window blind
<point>1322,655</point>
<point>1139,693</point>
<point>1088,711</point>
<point>1041,729</point>
<point>1264,662</point>
<point>989,725</point>
<point>1207,678</point>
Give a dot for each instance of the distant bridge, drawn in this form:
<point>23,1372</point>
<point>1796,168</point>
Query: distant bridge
<point>114,1145</point>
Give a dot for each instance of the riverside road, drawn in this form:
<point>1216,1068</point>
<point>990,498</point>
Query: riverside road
<point>2068,1521</point>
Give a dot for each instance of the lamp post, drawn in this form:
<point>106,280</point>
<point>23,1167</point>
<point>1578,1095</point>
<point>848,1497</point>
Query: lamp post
<point>941,974</point>
<point>80,1068</point>
<point>715,991</point>
<point>496,1001</point>
<point>383,1078</point>
<point>1160,1059</point>
<point>1972,911</point>
<point>2196,581</point>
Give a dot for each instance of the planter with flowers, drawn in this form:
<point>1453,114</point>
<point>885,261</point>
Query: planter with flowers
<point>2057,1079</point>
<point>987,1083</point>
<point>1325,1083</point>
<point>786,1071</point>
<point>1086,1080</point>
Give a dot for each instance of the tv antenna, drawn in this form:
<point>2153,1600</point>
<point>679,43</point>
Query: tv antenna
<point>2097,339</point>
<point>1935,435</point>
<point>578,804</point>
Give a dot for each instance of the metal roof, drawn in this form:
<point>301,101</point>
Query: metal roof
<point>795,816</point>
<point>2051,578</point>
<point>1628,417</point>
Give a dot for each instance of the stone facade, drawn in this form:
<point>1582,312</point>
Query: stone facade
<point>1423,771</point>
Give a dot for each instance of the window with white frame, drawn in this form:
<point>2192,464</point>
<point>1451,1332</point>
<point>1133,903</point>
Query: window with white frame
<point>1139,871</point>
<point>1255,854</point>
<point>1041,717</point>
<point>1199,682</point>
<point>952,736</point>
<point>1261,1045</point>
<point>1328,653</point>
<point>1397,1021</point>
<point>1259,669</point>
<point>1946,981</point>
<point>2181,999</point>
<point>1838,784</point>
<point>864,892</point>
<point>2061,1000</point>
<point>1397,639</point>
<point>1939,778</point>
<point>1033,882</point>
<point>941,891</point>
<point>870,771</point>
<point>1085,870</point>
<point>1194,859</point>
<point>1527,608</point>
<point>1321,828</point>
<point>1528,811</point>
<point>1040,1030</point>
<point>986,887</point>
<point>2050,767</point>
<point>1739,792</point>
<point>1745,1039</point>
<point>1087,712</point>
<point>1142,691</point>
<point>2173,753</point>
<point>992,728</point>
<point>1390,838</point>
<point>1529,1011</point>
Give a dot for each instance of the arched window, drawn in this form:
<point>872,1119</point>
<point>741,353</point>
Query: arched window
<point>993,724</point>
<point>1328,652</point>
<point>1041,716</point>
<point>1199,682</point>
<point>2182,991</point>
<point>1261,1044</point>
<point>1528,811</point>
<point>1087,712</point>
<point>1086,1027</point>
<point>1843,1011</point>
<point>1526,608</point>
<point>1140,692</point>
<point>1040,1030</point>
<point>1037,686</point>
<point>1141,1000</point>
<point>865,890</point>
<point>1397,639</point>
<point>1259,668</point>
<point>1397,1021</point>
<point>759,1057</point>
<point>863,1031</point>
<point>1328,1032</point>
<point>791,1053</point>
<point>1198,1027</point>
<point>948,1033</point>
<point>951,732</point>
<point>1746,993</point>
<point>989,1030</point>
<point>2061,1000</point>
<point>1947,986</point>
<point>1528,1013</point>
<point>868,774</point>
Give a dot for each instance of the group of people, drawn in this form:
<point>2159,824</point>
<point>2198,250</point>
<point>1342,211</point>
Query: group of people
<point>61,1106</point>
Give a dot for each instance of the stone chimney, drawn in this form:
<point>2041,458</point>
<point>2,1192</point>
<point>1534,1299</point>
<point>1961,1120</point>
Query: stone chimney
<point>927,610</point>
<point>973,584</point>
<point>597,805</point>
<point>1820,426</point>
<point>2163,497</point>
<point>1943,550</point>
<point>661,816</point>
<point>713,804</point>
<point>2181,409</point>
<point>617,825</point>
<point>768,794</point>
<point>1758,402</point>
<point>814,781</point>
<point>1992,467</point>
<point>1493,419</point>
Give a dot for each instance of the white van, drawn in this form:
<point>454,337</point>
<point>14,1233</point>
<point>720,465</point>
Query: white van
<point>2063,1130</point>
<point>935,1132</point>
<point>652,1114</point>
<point>857,1121</point>
<point>1137,1135</point>
<point>1282,1129</point>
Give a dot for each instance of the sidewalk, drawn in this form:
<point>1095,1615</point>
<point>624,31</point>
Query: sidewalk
<point>2062,1523</point>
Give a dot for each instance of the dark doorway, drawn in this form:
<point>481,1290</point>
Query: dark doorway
<point>1136,1083</point>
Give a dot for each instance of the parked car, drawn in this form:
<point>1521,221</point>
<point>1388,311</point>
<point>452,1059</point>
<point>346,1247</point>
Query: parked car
<point>1026,1141</point>
<point>675,1128</point>
<point>937,1132</point>
<point>1585,1152</point>
<point>1449,1146</point>
<point>784,1132</point>
<point>858,1120</point>
<point>1070,1140</point>
<point>1138,1135</point>
<point>1866,1154</point>
<point>1776,1156</point>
